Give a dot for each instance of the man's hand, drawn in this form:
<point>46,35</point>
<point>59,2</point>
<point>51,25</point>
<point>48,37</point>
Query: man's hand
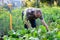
<point>44,23</point>
<point>27,23</point>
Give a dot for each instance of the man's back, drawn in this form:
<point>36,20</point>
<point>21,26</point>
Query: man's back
<point>30,13</point>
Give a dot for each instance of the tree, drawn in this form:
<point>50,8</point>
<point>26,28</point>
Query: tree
<point>37,3</point>
<point>58,2</point>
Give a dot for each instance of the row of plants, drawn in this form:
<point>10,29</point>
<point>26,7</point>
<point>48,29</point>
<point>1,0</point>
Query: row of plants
<point>51,16</point>
<point>33,34</point>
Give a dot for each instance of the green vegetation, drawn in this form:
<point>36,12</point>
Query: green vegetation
<point>51,16</point>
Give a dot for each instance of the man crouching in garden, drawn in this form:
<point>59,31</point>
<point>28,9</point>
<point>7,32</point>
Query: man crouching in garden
<point>29,15</point>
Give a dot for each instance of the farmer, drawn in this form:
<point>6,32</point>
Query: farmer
<point>29,16</point>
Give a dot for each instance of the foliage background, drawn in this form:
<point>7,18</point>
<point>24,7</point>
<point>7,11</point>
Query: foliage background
<point>51,14</point>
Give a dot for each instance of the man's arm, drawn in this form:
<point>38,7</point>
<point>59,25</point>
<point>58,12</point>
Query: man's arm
<point>27,23</point>
<point>25,20</point>
<point>44,23</point>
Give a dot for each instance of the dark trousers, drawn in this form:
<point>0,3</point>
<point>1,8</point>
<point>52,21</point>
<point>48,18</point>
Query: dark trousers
<point>32,22</point>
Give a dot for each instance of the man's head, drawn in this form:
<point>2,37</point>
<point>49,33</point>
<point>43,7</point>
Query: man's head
<point>37,13</point>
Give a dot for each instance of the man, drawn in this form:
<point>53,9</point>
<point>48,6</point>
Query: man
<point>30,15</point>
